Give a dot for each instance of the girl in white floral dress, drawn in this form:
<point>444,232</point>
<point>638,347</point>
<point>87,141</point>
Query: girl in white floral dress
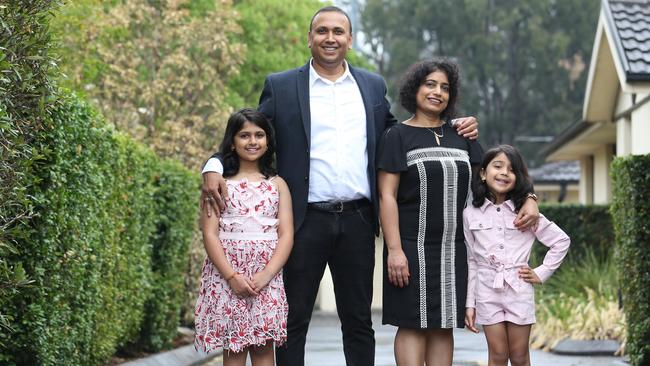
<point>242,306</point>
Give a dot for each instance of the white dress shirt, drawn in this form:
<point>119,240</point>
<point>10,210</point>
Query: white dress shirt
<point>338,152</point>
<point>338,155</point>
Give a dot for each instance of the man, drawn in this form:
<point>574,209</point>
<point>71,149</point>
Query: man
<point>328,118</point>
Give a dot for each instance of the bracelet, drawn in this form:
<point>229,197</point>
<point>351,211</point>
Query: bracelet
<point>231,276</point>
<point>533,196</point>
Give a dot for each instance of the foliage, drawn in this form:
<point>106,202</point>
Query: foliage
<point>275,35</point>
<point>175,202</point>
<point>94,249</point>
<point>523,62</point>
<point>589,227</point>
<point>157,70</point>
<point>580,301</point>
<point>631,215</point>
<point>26,94</point>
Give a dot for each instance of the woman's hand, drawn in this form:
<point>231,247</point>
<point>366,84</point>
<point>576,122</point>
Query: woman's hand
<point>528,275</point>
<point>528,216</point>
<point>213,191</point>
<point>398,268</point>
<point>470,319</point>
<point>242,285</point>
<point>261,279</point>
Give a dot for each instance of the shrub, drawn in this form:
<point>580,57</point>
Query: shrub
<point>176,204</point>
<point>95,250</point>
<point>580,301</point>
<point>631,213</point>
<point>588,226</point>
<point>26,92</point>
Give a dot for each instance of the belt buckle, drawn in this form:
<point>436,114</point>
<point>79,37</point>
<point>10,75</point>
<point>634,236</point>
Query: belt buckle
<point>340,209</point>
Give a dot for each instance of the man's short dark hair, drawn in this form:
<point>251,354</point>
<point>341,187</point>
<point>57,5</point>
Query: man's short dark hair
<point>330,9</point>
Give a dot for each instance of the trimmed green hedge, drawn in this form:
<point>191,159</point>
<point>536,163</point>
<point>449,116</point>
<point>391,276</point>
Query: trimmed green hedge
<point>176,205</point>
<point>26,94</point>
<point>631,213</point>
<point>107,248</point>
<point>588,226</point>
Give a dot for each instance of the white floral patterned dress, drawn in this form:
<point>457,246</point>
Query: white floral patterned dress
<point>248,234</point>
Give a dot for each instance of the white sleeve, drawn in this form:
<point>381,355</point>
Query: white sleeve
<point>213,165</point>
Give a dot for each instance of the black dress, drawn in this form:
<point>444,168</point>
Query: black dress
<point>433,189</point>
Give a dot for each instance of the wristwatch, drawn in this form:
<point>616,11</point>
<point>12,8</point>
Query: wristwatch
<point>533,196</point>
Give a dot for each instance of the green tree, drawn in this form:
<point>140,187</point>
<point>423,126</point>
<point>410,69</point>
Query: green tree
<point>275,33</point>
<point>156,69</point>
<point>523,62</point>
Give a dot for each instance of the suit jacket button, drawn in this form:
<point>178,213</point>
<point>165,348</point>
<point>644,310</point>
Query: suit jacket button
<point>306,178</point>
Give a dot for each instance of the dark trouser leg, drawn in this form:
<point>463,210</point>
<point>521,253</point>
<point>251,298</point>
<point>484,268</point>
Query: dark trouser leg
<point>352,263</point>
<point>302,275</point>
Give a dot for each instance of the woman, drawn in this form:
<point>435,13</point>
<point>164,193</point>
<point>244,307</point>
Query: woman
<point>424,176</point>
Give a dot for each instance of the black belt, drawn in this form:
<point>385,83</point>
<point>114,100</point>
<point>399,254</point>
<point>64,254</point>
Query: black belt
<point>339,206</point>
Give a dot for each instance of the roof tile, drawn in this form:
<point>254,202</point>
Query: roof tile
<point>631,20</point>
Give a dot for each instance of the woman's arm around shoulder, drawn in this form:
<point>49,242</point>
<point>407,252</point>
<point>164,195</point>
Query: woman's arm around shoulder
<point>285,236</point>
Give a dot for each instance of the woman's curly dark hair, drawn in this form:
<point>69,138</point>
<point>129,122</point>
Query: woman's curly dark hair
<point>416,76</point>
<point>523,183</point>
<point>236,122</point>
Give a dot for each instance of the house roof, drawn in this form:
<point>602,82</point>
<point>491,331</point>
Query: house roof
<point>556,172</point>
<point>629,21</point>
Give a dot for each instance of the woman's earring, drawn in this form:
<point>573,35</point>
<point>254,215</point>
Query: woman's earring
<point>483,180</point>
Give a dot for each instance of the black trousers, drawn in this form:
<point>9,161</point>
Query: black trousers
<point>346,242</point>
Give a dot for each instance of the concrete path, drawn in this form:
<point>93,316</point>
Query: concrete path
<point>324,348</point>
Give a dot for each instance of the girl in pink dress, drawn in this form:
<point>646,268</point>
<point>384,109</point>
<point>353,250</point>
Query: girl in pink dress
<point>500,293</point>
<point>242,306</point>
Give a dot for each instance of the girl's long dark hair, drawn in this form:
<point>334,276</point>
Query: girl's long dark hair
<point>523,183</point>
<point>230,159</point>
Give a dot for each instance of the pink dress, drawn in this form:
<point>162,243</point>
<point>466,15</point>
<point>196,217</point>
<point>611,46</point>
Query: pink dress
<point>248,231</point>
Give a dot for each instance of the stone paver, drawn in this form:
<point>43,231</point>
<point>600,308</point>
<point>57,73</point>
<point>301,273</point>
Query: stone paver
<point>325,348</point>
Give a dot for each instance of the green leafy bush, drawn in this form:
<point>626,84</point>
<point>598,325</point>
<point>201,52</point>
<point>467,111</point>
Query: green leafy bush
<point>588,226</point>
<point>631,213</point>
<point>104,244</point>
<point>580,301</point>
<point>26,94</point>
<point>176,204</point>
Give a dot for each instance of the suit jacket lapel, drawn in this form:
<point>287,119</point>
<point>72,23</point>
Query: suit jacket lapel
<point>364,89</point>
<point>303,100</point>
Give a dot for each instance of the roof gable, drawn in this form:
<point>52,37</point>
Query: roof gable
<point>629,21</point>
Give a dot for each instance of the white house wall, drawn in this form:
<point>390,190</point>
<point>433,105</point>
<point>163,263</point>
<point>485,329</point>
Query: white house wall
<point>640,126</point>
<point>603,156</point>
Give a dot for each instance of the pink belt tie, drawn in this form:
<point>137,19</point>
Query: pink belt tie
<point>505,274</point>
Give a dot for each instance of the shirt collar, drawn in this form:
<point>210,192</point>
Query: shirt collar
<point>314,76</point>
<point>508,203</point>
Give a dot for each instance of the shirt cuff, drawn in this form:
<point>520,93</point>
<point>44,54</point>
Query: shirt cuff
<point>470,303</point>
<point>543,273</point>
<point>213,165</point>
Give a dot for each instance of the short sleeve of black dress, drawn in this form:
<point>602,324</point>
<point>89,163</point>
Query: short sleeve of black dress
<point>435,175</point>
<point>391,156</point>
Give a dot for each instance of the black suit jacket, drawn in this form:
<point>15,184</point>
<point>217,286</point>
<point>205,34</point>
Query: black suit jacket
<point>285,101</point>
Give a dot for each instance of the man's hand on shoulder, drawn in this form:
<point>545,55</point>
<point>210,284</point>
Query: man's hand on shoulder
<point>467,127</point>
<point>213,193</point>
